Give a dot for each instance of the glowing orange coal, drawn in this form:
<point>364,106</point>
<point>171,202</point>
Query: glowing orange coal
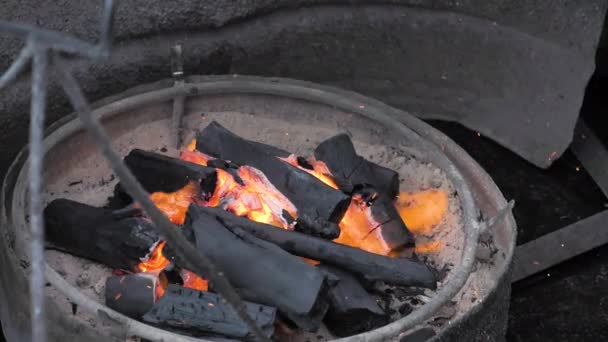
<point>156,261</point>
<point>358,228</point>
<point>422,211</point>
<point>192,281</point>
<point>319,169</point>
<point>256,198</point>
<point>175,206</point>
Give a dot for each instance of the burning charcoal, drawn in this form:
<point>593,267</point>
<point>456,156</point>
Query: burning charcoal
<point>159,173</point>
<point>367,179</point>
<point>188,309</point>
<point>339,154</point>
<point>133,294</point>
<point>320,207</point>
<point>369,266</point>
<point>351,309</point>
<point>261,271</point>
<point>118,241</point>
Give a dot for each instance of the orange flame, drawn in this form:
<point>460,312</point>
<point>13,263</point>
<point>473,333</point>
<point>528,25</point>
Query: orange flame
<point>256,198</point>
<point>155,261</point>
<point>358,228</point>
<point>175,204</point>
<point>319,169</point>
<point>422,211</point>
<point>195,157</point>
<point>193,281</point>
<point>428,247</point>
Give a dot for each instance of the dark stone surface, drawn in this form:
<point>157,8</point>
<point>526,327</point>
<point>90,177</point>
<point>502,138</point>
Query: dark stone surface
<point>497,66</point>
<point>545,200</point>
<point>567,302</point>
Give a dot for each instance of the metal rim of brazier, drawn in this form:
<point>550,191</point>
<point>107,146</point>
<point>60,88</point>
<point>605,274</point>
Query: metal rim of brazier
<point>440,150</point>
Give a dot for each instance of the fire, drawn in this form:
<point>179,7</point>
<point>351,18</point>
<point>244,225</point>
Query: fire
<point>428,247</point>
<point>191,146</point>
<point>195,157</point>
<point>192,281</point>
<point>175,204</point>
<point>155,261</point>
<point>319,169</point>
<point>358,228</point>
<point>422,211</point>
<point>256,198</point>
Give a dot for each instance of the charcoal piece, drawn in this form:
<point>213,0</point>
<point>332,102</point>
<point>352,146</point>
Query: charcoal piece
<point>393,230</point>
<point>116,240</point>
<point>157,172</point>
<point>320,207</point>
<point>338,153</point>
<point>368,266</point>
<point>351,309</point>
<point>160,173</point>
<point>132,294</point>
<point>367,179</point>
<point>188,309</point>
<point>262,272</point>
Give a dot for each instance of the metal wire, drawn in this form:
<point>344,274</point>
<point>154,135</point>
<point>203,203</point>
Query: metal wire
<point>18,65</point>
<point>38,104</point>
<point>44,43</point>
<point>194,260</point>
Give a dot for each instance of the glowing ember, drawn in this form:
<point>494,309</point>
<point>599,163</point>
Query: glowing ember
<point>358,228</point>
<point>175,204</point>
<point>319,169</point>
<point>428,247</point>
<point>156,261</point>
<point>422,211</point>
<point>192,281</point>
<point>191,146</point>
<point>195,157</point>
<point>256,198</point>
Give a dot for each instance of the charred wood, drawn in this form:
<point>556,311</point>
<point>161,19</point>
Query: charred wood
<point>188,309</point>
<point>338,153</point>
<point>320,207</point>
<point>160,173</point>
<point>114,239</point>
<point>132,294</point>
<point>262,272</point>
<point>351,309</point>
<point>369,266</point>
<point>377,183</point>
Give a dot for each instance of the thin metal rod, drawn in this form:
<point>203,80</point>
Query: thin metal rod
<point>106,27</point>
<point>38,105</point>
<point>53,40</point>
<point>561,245</point>
<point>500,215</point>
<point>195,260</point>
<point>18,65</point>
<point>177,72</point>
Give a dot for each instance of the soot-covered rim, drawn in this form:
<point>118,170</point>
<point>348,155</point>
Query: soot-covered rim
<point>437,148</point>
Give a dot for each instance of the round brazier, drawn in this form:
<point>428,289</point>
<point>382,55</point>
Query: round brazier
<point>259,107</point>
